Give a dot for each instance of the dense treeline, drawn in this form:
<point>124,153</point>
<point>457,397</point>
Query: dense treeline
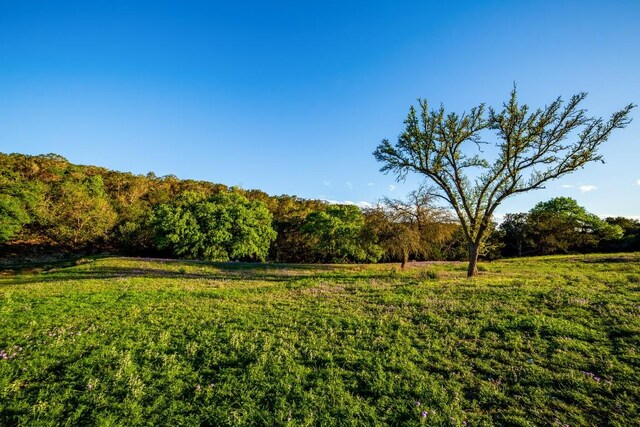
<point>50,205</point>
<point>560,225</point>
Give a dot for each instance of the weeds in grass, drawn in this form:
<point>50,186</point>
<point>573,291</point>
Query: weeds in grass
<point>427,275</point>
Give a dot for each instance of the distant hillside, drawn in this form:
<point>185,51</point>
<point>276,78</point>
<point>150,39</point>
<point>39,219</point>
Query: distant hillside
<point>51,204</point>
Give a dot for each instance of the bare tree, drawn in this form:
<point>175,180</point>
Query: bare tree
<point>410,227</point>
<point>532,150</point>
<point>418,221</point>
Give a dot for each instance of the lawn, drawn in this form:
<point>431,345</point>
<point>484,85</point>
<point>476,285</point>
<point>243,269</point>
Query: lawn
<point>127,341</point>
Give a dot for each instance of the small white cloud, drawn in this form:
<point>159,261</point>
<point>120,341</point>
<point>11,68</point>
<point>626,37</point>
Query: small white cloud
<point>498,217</point>
<point>371,184</point>
<point>360,204</point>
<point>566,186</point>
<point>326,183</point>
<point>392,187</point>
<point>638,182</point>
<point>363,204</point>
<point>349,185</point>
<point>587,188</point>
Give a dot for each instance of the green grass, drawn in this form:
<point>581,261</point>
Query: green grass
<point>117,341</point>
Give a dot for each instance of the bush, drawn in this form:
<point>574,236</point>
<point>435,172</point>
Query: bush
<point>223,227</point>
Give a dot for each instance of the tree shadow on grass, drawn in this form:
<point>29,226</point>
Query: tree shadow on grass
<point>612,259</point>
<point>177,269</point>
<point>43,266</point>
<point>106,273</point>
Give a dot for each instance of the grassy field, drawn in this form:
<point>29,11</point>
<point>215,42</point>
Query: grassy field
<point>125,341</point>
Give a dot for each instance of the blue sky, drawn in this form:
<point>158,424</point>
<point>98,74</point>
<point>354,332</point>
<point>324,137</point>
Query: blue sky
<point>293,97</point>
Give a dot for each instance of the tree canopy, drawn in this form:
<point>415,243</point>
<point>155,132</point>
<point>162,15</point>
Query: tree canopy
<point>338,235</point>
<point>77,211</point>
<point>559,225</point>
<point>532,149</point>
<point>222,227</point>
<point>413,227</point>
<point>12,216</point>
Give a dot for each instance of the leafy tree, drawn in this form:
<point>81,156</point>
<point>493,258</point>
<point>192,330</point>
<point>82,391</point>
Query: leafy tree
<point>12,217</point>
<point>338,235</point>
<point>18,200</point>
<point>517,234</point>
<point>225,226</point>
<point>289,214</point>
<point>561,225</point>
<point>75,213</point>
<point>531,150</point>
<point>627,225</point>
<point>134,232</point>
<point>630,240</point>
<point>129,193</point>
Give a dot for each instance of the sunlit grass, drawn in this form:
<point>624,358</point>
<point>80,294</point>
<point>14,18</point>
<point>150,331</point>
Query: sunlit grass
<point>117,341</point>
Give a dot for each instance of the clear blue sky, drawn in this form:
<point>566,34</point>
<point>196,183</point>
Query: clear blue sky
<point>293,97</point>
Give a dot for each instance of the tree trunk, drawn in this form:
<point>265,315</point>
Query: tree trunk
<point>473,260</point>
<point>405,259</point>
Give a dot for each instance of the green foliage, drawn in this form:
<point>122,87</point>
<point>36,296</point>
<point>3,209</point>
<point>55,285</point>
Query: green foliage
<point>77,212</point>
<point>531,145</point>
<point>18,200</point>
<point>630,240</point>
<point>561,225</point>
<point>222,227</point>
<point>134,232</point>
<point>48,204</point>
<point>291,243</point>
<point>399,239</point>
<point>558,225</point>
<point>12,216</point>
<point>547,341</point>
<point>338,235</point>
<point>517,234</point>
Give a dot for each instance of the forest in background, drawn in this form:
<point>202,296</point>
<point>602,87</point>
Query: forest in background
<point>49,206</point>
